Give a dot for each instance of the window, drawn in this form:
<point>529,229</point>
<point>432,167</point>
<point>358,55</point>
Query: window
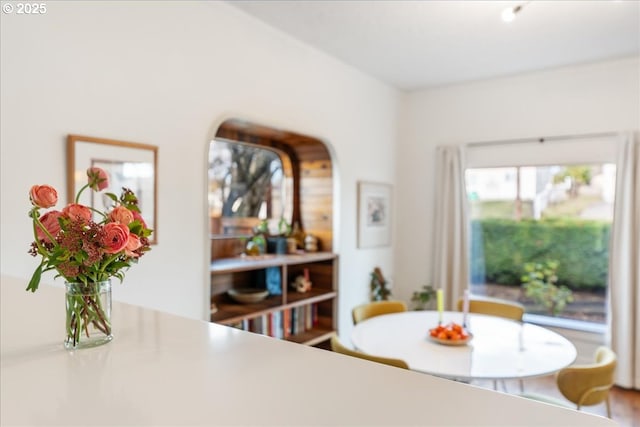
<point>540,232</point>
<point>247,184</point>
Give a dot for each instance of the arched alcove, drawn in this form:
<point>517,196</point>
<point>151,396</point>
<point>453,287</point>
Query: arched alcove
<point>293,295</point>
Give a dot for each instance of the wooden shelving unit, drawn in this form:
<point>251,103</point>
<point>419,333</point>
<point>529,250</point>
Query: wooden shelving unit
<point>308,168</point>
<point>307,318</point>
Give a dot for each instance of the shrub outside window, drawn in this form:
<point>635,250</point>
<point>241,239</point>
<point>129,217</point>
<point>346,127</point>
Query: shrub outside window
<point>540,236</point>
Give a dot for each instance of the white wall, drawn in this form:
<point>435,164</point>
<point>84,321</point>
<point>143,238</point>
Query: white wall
<point>168,73</point>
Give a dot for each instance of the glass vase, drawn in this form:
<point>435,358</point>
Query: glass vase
<point>88,314</point>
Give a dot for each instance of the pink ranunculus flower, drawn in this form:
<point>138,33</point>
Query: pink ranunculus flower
<point>43,196</point>
<point>98,178</point>
<point>50,223</point>
<point>133,244</point>
<point>138,217</point>
<point>122,215</point>
<point>77,212</point>
<point>116,237</point>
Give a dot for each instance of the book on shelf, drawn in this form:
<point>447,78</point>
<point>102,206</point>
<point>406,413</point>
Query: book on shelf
<point>294,320</point>
<point>258,325</point>
<point>270,324</point>
<point>277,324</point>
<point>281,323</point>
<point>308,317</point>
<point>286,323</point>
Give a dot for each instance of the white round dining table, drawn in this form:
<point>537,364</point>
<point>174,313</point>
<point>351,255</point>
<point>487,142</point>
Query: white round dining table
<point>500,349</point>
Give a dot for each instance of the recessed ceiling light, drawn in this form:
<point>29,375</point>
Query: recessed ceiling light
<point>509,14</point>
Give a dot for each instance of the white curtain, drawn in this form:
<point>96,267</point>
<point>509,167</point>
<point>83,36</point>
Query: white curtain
<point>624,266</point>
<point>450,244</point>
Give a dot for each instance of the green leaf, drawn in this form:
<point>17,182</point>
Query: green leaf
<point>112,197</point>
<point>118,265</point>
<point>35,279</point>
<point>136,227</point>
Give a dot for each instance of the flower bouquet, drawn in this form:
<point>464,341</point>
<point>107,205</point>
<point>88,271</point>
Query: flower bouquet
<point>87,252</point>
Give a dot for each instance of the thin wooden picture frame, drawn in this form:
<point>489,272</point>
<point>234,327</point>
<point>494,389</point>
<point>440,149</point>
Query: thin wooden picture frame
<point>374,214</point>
<point>129,164</point>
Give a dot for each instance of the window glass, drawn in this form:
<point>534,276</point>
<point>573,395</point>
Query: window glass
<point>247,184</point>
<point>540,236</point>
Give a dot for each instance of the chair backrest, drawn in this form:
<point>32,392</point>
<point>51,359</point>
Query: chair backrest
<point>337,346</point>
<point>589,384</point>
<point>494,306</point>
<point>376,308</point>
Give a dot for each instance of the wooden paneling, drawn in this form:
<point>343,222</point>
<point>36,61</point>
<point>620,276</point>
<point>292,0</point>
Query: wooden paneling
<point>221,283</point>
<point>226,247</point>
<point>318,169</point>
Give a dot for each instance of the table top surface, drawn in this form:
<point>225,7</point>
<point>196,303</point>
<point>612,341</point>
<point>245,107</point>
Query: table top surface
<point>500,348</point>
<point>162,369</point>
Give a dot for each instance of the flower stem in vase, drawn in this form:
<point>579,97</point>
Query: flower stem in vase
<point>88,314</point>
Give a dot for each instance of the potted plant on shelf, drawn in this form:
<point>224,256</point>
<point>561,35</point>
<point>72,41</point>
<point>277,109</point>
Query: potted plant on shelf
<point>277,240</point>
<point>422,298</point>
<point>379,286</point>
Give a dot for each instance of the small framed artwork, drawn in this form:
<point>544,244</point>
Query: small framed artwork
<point>374,214</point>
<point>129,164</point>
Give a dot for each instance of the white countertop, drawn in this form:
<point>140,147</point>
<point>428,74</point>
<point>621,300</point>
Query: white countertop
<point>500,349</point>
<point>162,369</point>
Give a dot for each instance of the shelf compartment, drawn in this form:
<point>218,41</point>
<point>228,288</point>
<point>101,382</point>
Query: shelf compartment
<point>231,312</point>
<point>244,263</point>
<point>284,326</point>
<point>228,313</point>
<point>322,331</point>
<point>312,296</point>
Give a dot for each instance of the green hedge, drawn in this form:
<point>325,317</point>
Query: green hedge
<point>501,247</point>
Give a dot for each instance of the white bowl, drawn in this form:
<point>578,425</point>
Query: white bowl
<point>248,295</point>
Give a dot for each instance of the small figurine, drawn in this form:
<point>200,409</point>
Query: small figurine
<point>311,243</point>
<point>302,284</point>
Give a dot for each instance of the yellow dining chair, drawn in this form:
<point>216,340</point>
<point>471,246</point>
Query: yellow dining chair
<point>338,347</point>
<point>585,385</point>
<point>376,308</point>
<point>494,306</point>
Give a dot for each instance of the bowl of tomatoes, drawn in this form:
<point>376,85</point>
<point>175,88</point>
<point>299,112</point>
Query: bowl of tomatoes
<point>450,334</point>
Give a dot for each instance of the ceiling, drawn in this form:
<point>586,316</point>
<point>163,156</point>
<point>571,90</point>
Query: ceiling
<point>418,44</point>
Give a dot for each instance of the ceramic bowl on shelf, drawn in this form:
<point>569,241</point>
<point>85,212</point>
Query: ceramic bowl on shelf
<point>248,295</point>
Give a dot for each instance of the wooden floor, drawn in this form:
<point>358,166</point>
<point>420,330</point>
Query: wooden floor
<point>625,404</point>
